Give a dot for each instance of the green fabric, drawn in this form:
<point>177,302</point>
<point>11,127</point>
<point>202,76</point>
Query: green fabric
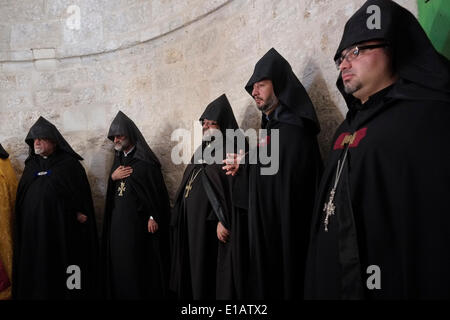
<point>434,16</point>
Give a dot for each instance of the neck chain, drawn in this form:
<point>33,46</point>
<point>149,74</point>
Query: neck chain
<point>191,180</point>
<point>329,207</point>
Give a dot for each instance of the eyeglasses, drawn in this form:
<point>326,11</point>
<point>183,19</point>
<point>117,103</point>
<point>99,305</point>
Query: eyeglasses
<point>354,52</point>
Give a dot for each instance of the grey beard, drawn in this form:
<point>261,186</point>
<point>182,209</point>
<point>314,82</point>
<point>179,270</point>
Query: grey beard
<point>121,145</point>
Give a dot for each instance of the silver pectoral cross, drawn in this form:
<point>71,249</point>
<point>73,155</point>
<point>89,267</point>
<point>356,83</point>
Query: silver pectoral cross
<point>329,208</point>
<point>121,189</point>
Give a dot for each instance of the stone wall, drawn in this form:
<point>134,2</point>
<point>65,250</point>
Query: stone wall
<point>159,61</point>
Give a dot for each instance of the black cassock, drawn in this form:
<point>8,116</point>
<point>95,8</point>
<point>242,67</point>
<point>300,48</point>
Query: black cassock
<point>232,260</point>
<point>195,243</point>
<point>280,208</point>
<point>136,259</point>
<point>390,204</point>
<point>203,268</point>
<point>48,237</point>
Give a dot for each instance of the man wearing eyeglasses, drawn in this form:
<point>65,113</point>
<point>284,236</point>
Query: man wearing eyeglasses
<point>366,69</point>
<point>379,229</point>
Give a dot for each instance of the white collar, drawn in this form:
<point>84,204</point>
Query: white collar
<point>127,153</point>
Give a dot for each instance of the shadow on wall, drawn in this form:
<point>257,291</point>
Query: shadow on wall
<point>98,165</point>
<point>328,113</point>
<point>18,152</point>
<point>172,173</point>
<point>252,117</point>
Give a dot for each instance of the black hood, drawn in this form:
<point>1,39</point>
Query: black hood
<point>220,110</point>
<point>3,153</point>
<point>45,129</point>
<point>124,126</point>
<point>288,89</point>
<point>419,66</point>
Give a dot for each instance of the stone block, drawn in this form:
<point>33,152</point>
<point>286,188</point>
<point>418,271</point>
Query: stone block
<point>21,55</point>
<point>46,64</point>
<point>36,35</point>
<point>43,53</point>
<point>4,37</point>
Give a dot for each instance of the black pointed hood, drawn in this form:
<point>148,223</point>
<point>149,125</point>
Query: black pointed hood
<point>220,110</point>
<point>122,125</point>
<point>3,153</point>
<point>45,129</point>
<point>419,66</point>
<point>288,89</point>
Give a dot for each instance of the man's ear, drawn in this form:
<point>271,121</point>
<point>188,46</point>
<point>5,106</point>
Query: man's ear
<point>389,51</point>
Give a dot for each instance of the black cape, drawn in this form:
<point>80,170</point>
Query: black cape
<point>47,235</point>
<point>135,261</point>
<point>3,153</point>
<point>281,205</point>
<point>390,200</point>
<point>202,266</point>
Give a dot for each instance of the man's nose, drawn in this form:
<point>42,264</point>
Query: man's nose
<point>345,65</point>
<point>255,92</point>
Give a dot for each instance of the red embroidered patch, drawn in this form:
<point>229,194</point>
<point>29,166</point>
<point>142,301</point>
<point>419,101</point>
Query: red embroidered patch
<point>353,139</point>
<point>263,142</point>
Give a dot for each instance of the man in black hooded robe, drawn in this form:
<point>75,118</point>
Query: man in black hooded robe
<point>135,246</point>
<point>54,226</point>
<point>209,230</point>
<point>281,204</point>
<point>380,224</point>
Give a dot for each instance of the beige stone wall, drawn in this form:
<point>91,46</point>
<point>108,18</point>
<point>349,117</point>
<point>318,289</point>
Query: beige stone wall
<point>159,61</point>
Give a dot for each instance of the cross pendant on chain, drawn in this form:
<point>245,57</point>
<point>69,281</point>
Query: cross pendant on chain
<point>329,208</point>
